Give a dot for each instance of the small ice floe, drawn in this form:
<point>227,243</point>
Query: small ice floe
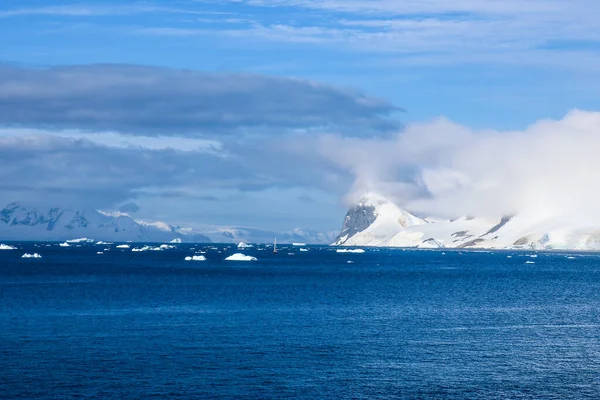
<point>65,244</point>
<point>80,240</point>
<point>291,254</point>
<point>508,256</point>
<point>349,251</point>
<point>34,255</point>
<point>195,258</point>
<point>529,262</point>
<point>145,248</point>
<point>99,252</point>
<point>299,244</point>
<point>101,242</point>
<point>6,247</point>
<point>303,249</point>
<point>242,245</point>
<point>123,246</point>
<point>570,258</point>
<point>240,257</point>
<point>349,262</point>
<point>177,240</point>
<point>533,256</point>
<point>165,247</point>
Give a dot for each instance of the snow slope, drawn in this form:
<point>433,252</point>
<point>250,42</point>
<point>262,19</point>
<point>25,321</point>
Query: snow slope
<point>18,222</point>
<point>375,221</point>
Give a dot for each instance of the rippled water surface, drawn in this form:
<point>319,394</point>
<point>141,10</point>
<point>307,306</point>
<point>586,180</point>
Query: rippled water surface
<point>303,324</point>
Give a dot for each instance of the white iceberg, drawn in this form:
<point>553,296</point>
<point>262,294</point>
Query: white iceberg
<point>6,247</point>
<point>299,244</point>
<point>195,258</point>
<point>34,255</point>
<point>240,257</point>
<point>99,252</point>
<point>177,240</point>
<point>101,242</point>
<point>123,246</point>
<point>65,244</point>
<point>145,248</point>
<point>350,251</point>
<point>303,249</point>
<point>242,245</point>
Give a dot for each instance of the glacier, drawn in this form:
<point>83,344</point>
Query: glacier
<point>376,221</point>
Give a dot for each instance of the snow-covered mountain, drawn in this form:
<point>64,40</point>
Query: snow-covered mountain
<point>18,222</point>
<point>236,234</point>
<point>376,221</point>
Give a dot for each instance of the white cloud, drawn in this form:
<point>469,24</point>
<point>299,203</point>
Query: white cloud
<point>444,169</point>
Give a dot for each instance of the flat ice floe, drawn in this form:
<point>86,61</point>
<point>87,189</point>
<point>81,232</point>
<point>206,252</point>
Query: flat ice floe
<point>123,246</point>
<point>150,248</point>
<point>65,244</point>
<point>240,257</point>
<point>6,247</point>
<point>349,251</point>
<point>34,255</point>
<point>195,258</point>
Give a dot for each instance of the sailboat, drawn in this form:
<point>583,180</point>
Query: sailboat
<point>275,246</point>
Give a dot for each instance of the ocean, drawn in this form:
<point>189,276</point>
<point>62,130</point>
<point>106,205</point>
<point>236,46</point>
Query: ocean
<point>316,324</point>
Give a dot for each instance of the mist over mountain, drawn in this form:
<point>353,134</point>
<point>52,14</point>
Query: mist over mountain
<point>377,221</point>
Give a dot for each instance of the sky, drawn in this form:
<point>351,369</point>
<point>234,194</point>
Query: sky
<point>279,114</point>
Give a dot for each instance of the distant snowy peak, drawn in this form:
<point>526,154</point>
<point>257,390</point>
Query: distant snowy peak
<point>18,222</point>
<point>375,218</point>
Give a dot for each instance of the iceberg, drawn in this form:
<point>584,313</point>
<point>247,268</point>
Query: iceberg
<point>177,240</point>
<point>123,246</point>
<point>6,247</point>
<point>34,255</point>
<point>65,244</point>
<point>195,258</point>
<point>240,257</point>
<point>242,245</point>
<point>349,251</point>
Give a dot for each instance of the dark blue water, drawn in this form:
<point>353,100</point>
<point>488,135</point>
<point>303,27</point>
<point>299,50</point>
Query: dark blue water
<point>404,324</point>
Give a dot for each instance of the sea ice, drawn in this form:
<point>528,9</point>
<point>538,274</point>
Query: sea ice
<point>65,244</point>
<point>195,258</point>
<point>6,247</point>
<point>240,257</point>
<point>34,255</point>
<point>350,251</point>
<point>123,246</point>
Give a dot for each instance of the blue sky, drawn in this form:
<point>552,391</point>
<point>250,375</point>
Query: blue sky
<point>215,111</point>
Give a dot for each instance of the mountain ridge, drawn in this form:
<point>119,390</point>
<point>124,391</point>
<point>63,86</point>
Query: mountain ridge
<point>519,231</point>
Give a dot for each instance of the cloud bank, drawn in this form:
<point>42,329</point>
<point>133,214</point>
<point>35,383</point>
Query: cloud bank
<point>440,168</point>
<point>143,100</point>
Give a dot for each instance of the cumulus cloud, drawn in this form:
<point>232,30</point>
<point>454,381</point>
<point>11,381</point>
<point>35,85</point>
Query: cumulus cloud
<point>441,168</point>
<point>159,101</point>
